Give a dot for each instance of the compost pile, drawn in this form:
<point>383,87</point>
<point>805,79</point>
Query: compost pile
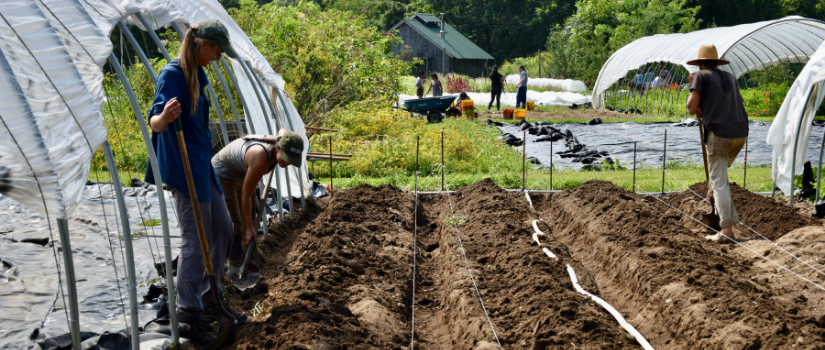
<point>341,275</point>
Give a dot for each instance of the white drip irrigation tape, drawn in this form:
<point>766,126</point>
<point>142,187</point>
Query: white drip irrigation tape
<point>740,244</point>
<point>642,341</point>
<point>752,230</point>
<point>527,194</point>
<point>455,224</point>
<point>627,326</point>
<point>537,232</point>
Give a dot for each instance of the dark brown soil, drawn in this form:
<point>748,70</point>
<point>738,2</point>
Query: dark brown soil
<point>769,217</point>
<point>529,296</point>
<point>346,279</point>
<point>679,290</point>
<point>339,275</point>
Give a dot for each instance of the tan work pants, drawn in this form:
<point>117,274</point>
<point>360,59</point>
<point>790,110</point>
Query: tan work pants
<point>721,154</point>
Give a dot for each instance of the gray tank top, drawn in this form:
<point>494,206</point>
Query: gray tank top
<point>230,164</point>
<point>436,89</point>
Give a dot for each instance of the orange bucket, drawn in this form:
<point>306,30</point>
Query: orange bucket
<point>507,114</point>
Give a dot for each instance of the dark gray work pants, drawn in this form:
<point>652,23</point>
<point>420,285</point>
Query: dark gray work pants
<point>192,282</point>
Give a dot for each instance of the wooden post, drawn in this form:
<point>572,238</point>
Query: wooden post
<point>524,162</point>
<point>442,160</point>
<point>664,164</point>
<point>634,166</point>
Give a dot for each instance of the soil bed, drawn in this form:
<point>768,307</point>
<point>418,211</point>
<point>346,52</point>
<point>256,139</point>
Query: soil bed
<point>679,290</point>
<point>529,296</point>
<point>765,215</point>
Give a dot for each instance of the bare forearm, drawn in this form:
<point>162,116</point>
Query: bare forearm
<point>158,124</point>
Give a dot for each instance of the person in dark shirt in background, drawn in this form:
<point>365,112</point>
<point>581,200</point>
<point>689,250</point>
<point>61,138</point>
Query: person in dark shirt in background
<point>716,101</point>
<point>496,85</point>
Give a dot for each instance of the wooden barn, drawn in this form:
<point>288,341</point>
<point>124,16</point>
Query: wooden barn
<point>452,52</point>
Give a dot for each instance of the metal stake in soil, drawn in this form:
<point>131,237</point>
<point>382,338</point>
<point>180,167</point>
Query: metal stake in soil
<point>551,165</point>
<point>442,160</point>
<point>524,162</point>
<point>634,167</point>
<point>745,176</point>
<point>664,164</point>
<point>330,166</point>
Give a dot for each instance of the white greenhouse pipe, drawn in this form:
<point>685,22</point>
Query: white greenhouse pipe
<point>134,331</point>
<point>71,286</point>
<point>164,220</point>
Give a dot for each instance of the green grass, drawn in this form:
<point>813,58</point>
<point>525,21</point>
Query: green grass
<point>104,176</point>
<point>650,180</point>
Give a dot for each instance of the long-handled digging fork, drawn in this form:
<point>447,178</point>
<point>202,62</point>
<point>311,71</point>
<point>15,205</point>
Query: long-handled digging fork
<point>196,209</point>
<point>710,219</point>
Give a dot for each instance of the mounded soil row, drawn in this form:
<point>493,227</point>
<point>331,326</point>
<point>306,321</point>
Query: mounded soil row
<point>770,218</point>
<point>343,280</point>
<point>530,298</point>
<point>679,290</point>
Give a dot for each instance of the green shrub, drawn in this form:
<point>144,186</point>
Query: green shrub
<point>327,58</point>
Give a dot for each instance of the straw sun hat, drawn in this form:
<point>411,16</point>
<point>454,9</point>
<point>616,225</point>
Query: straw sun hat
<point>707,53</point>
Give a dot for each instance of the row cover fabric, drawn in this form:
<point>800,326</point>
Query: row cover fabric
<point>792,125</point>
<point>51,51</point>
<point>749,47</point>
<point>567,85</point>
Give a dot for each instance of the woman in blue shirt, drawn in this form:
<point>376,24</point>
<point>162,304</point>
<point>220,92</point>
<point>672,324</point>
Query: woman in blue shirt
<point>180,94</point>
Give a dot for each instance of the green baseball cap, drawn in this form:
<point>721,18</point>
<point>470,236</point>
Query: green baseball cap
<point>292,146</point>
<point>214,31</point>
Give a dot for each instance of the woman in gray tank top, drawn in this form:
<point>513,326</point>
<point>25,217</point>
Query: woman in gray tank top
<point>240,166</point>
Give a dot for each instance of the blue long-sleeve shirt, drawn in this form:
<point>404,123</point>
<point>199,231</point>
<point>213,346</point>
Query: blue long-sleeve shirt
<point>172,83</point>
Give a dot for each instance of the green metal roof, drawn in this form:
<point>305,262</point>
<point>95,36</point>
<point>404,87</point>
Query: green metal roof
<point>457,45</point>
<point>427,18</point>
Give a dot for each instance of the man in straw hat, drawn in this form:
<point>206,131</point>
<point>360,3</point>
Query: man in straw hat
<point>240,166</point>
<point>715,99</point>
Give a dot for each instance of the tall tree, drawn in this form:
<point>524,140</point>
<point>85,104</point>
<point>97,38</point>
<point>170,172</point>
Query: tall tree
<point>600,27</point>
<point>505,29</point>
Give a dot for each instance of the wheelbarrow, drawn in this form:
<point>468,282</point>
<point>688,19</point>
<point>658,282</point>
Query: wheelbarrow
<point>433,108</point>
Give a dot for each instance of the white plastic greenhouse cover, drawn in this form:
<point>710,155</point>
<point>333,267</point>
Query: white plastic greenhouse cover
<point>567,85</point>
<point>749,47</point>
<point>793,121</point>
<point>51,84</point>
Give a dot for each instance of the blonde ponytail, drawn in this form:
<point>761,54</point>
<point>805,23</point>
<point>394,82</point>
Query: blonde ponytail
<point>188,55</point>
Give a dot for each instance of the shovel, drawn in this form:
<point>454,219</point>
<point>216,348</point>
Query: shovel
<point>248,279</point>
<point>196,210</point>
<point>710,219</point>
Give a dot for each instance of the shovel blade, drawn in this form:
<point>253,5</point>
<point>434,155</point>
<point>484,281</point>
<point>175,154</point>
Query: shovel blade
<point>711,220</point>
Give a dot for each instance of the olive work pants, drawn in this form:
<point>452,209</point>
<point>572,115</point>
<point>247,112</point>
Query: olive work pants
<point>721,154</point>
<point>232,191</point>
